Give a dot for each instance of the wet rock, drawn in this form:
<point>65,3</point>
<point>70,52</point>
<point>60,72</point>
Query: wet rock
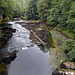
<point>63,72</point>
<point>69,73</point>
<point>6,34</point>
<point>58,72</point>
<point>12,56</point>
<point>68,65</point>
<point>8,58</point>
<point>66,68</point>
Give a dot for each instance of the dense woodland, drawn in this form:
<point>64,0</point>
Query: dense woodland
<point>59,14</point>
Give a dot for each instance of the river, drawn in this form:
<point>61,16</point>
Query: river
<point>30,60</point>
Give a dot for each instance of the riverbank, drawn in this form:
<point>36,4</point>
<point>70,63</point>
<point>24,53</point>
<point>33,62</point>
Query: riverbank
<point>28,55</point>
<point>66,32</point>
<point>60,38</point>
<point>57,35</point>
<point>50,38</point>
<point>6,34</point>
<point>47,35</point>
<point>63,68</point>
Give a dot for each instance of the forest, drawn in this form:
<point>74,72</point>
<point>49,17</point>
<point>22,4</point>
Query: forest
<point>58,14</point>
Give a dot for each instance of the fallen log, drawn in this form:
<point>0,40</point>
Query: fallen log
<point>36,38</point>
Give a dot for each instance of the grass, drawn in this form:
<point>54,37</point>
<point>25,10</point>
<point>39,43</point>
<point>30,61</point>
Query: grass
<point>60,54</point>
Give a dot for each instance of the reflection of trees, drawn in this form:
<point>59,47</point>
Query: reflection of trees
<point>43,48</point>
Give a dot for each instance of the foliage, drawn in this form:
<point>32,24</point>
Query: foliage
<point>58,13</point>
<point>43,9</point>
<point>62,14</point>
<point>71,55</point>
<point>31,10</point>
<point>11,8</point>
<point>24,18</point>
<point>70,49</point>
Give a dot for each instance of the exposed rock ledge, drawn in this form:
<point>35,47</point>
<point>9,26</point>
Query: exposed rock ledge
<point>6,59</point>
<point>68,65</point>
<point>6,34</point>
<point>66,68</point>
<point>63,72</point>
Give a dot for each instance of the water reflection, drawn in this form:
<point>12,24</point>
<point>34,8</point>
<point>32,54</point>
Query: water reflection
<point>32,61</point>
<point>43,48</point>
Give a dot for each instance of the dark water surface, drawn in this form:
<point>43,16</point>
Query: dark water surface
<point>30,60</point>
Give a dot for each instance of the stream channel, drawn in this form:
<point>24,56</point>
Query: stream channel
<point>30,60</point>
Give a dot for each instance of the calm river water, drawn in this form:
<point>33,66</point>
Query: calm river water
<point>30,60</point>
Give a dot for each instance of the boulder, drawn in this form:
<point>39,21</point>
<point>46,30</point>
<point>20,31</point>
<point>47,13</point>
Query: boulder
<point>63,72</point>
<point>67,65</point>
<point>58,72</point>
<point>8,58</point>
<point>42,34</point>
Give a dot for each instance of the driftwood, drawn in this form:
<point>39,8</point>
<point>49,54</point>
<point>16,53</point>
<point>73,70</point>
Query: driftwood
<point>35,38</point>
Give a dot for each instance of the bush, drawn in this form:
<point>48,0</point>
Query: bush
<point>24,18</point>
<point>69,45</point>
<point>71,55</point>
<point>70,49</point>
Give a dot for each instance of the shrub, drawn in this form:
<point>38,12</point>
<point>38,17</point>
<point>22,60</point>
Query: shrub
<point>70,49</point>
<point>69,45</point>
<point>24,18</point>
<point>71,55</point>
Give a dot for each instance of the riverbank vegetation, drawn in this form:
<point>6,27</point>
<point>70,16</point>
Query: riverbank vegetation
<point>59,14</point>
<point>70,49</point>
<point>10,9</point>
<point>3,69</point>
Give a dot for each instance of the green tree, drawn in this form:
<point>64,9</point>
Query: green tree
<point>31,10</point>
<point>70,49</point>
<point>43,7</point>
